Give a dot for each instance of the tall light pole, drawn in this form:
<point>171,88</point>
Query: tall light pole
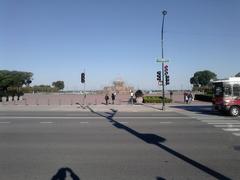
<point>164,13</point>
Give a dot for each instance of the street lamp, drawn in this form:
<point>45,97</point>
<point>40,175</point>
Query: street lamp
<point>164,13</point>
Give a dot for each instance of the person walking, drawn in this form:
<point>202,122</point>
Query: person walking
<point>131,97</point>
<point>171,94</point>
<point>185,96</point>
<point>190,97</point>
<point>106,99</point>
<point>113,98</point>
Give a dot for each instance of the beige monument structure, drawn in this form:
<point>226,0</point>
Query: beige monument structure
<point>118,87</point>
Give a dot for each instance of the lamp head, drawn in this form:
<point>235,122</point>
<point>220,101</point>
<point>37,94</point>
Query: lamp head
<point>164,12</point>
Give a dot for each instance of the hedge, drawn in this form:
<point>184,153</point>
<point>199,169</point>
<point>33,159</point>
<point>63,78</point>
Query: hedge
<point>202,97</point>
<point>155,99</point>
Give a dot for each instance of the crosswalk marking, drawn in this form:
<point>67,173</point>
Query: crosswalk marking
<point>236,134</point>
<point>219,121</point>
<point>227,124</point>
<point>231,129</point>
<point>224,123</point>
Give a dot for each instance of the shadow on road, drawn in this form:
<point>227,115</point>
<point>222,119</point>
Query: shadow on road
<point>200,109</point>
<point>147,105</point>
<point>158,141</point>
<point>62,174</point>
<point>159,178</point>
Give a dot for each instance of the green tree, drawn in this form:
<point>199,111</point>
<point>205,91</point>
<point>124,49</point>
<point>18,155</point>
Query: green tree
<point>237,75</point>
<point>14,79</point>
<point>58,84</point>
<point>201,79</point>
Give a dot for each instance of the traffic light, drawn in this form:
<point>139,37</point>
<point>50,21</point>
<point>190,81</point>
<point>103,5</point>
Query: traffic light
<point>159,75</point>
<point>167,78</point>
<point>82,77</point>
<point>166,70</point>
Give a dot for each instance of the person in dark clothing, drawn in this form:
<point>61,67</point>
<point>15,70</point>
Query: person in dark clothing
<point>106,99</point>
<point>113,98</point>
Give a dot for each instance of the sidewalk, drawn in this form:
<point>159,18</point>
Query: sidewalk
<point>102,108</point>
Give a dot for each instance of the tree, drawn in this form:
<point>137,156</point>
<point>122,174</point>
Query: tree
<point>14,79</point>
<point>237,75</point>
<point>58,84</point>
<point>202,78</point>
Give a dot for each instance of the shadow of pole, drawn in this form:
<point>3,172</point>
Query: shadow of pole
<point>157,141</point>
<point>62,174</point>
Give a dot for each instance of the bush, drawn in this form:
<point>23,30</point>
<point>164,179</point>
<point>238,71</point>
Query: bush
<point>155,99</point>
<point>202,97</point>
<point>138,93</point>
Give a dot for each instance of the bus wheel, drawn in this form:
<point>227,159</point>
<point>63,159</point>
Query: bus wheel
<point>234,111</point>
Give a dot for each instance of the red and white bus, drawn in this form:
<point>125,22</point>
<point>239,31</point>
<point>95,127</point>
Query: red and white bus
<point>226,95</point>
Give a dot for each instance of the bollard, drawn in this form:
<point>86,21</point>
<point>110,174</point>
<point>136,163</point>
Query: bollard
<point>48,102</point>
<point>26,102</point>
<point>4,100</point>
<point>95,101</point>
<point>37,102</point>
<point>71,102</point>
<point>15,98</point>
<point>10,98</point>
<point>59,102</point>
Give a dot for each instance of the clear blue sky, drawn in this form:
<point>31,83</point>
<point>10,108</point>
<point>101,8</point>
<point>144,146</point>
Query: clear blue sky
<point>58,39</point>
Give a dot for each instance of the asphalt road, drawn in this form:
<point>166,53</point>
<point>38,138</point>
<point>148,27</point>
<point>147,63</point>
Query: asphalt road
<point>113,145</point>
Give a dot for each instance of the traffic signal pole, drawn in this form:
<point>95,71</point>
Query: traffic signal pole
<point>83,81</point>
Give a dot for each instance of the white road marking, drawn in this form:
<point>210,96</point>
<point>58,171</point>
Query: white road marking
<point>223,123</point>
<point>89,117</point>
<point>227,126</point>
<point>5,122</point>
<point>83,122</point>
<point>236,134</point>
<point>46,122</point>
<point>231,129</point>
<point>220,121</point>
<point>165,122</point>
<point>123,122</point>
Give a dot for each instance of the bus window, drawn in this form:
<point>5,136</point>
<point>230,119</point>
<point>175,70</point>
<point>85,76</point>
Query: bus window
<point>236,90</point>
<point>227,90</point>
<point>218,89</point>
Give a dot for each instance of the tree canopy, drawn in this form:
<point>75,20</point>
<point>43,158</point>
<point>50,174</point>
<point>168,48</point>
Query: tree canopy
<point>202,78</point>
<point>58,84</point>
<point>237,75</point>
<point>14,79</point>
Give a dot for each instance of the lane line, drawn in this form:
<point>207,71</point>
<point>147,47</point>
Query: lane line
<point>7,122</point>
<point>82,122</point>
<point>46,122</point>
<point>123,122</point>
<point>166,122</point>
<point>51,117</point>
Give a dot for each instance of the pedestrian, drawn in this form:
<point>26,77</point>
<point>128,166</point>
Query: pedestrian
<point>190,97</point>
<point>131,97</point>
<point>106,99</point>
<point>113,98</point>
<point>171,94</point>
<point>185,97</point>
